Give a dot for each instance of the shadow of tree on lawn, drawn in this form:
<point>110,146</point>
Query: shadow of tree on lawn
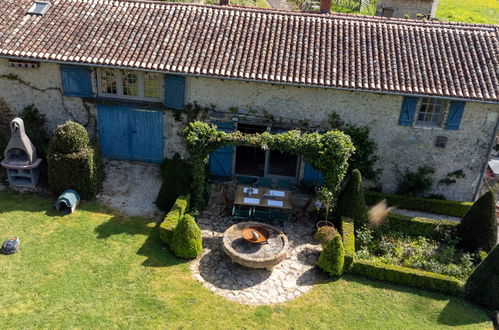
<point>157,253</point>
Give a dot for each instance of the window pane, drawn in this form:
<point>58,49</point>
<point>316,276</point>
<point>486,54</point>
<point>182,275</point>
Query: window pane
<point>430,111</point>
<point>130,83</point>
<point>108,82</point>
<point>152,85</point>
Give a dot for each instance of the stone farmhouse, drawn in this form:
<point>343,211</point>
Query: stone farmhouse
<point>128,69</point>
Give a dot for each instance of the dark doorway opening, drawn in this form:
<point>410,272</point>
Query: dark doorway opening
<point>250,160</point>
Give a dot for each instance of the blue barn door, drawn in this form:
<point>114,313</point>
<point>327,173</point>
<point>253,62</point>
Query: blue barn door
<point>312,175</point>
<point>129,133</point>
<point>221,159</point>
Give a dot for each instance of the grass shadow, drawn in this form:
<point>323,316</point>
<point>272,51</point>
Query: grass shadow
<point>158,253</point>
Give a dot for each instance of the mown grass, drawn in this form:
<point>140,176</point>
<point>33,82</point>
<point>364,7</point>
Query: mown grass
<point>94,269</point>
<point>469,11</point>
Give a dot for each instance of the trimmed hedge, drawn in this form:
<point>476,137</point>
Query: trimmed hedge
<point>324,234</point>
<point>452,208</point>
<point>187,240</point>
<point>168,226</point>
<point>408,276</point>
<point>351,202</point>
<point>348,235</point>
<point>80,171</point>
<point>482,286</point>
<point>69,137</point>
<point>478,228</point>
<point>418,226</point>
<point>332,257</point>
<point>177,178</point>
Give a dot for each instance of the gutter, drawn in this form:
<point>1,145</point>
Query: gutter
<point>487,158</point>
<point>251,80</point>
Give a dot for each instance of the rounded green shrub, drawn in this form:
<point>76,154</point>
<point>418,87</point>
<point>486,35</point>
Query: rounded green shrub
<point>187,241</point>
<point>332,257</point>
<point>324,234</point>
<point>478,228</point>
<point>351,202</point>
<point>69,137</point>
<point>482,286</point>
<point>168,226</point>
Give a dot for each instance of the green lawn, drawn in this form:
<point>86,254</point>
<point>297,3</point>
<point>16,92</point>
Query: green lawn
<point>252,3</point>
<point>470,11</point>
<point>94,269</point>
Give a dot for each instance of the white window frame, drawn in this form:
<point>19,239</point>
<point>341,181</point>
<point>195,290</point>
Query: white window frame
<point>119,85</point>
<point>442,116</point>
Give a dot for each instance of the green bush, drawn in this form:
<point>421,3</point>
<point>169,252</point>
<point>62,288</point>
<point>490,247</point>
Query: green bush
<point>34,125</point>
<point>351,202</point>
<point>332,257</point>
<point>324,234</point>
<point>348,235</point>
<point>482,286</point>
<point>168,226</point>
<point>478,228</point>
<point>69,137</point>
<point>408,276</point>
<point>452,208</point>
<point>187,240</point>
<point>4,140</point>
<point>81,170</point>
<point>177,180</point>
<point>419,226</point>
<point>416,183</point>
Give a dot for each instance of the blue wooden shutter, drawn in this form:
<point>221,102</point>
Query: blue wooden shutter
<point>408,110</point>
<point>455,113</point>
<point>221,159</point>
<point>76,80</point>
<point>312,175</point>
<point>174,92</point>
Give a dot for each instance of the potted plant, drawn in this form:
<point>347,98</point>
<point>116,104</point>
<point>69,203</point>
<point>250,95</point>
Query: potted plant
<point>326,200</point>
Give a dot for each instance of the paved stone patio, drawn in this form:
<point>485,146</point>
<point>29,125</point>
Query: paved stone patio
<point>288,280</point>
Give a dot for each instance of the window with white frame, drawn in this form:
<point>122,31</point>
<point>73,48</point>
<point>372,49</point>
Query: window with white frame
<point>431,111</point>
<point>130,84</point>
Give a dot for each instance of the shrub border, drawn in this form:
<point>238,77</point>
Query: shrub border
<point>408,277</point>
<point>348,235</point>
<point>452,208</point>
<point>418,226</point>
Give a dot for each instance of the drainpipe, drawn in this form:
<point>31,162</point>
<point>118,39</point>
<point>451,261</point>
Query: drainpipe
<point>487,157</point>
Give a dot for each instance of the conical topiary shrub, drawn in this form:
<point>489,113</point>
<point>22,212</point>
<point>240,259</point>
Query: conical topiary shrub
<point>478,227</point>
<point>332,257</point>
<point>177,180</point>
<point>351,202</point>
<point>482,286</point>
<point>187,241</point>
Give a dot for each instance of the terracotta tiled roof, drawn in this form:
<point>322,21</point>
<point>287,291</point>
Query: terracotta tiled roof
<point>453,60</point>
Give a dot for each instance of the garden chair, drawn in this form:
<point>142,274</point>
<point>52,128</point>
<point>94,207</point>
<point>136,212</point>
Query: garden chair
<point>241,213</point>
<point>243,179</point>
<point>225,199</point>
<point>285,184</point>
<point>265,182</point>
<point>261,214</point>
<point>281,216</point>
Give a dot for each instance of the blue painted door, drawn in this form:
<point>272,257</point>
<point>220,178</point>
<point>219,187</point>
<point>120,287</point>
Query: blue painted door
<point>312,175</point>
<point>130,133</point>
<point>221,159</point>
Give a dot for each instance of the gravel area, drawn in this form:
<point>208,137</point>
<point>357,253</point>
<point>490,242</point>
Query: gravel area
<point>435,216</point>
<point>131,188</point>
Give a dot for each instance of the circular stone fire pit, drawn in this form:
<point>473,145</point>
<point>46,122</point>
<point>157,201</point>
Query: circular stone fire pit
<point>265,255</point>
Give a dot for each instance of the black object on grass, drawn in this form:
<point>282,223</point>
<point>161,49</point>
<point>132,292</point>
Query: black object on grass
<point>11,245</point>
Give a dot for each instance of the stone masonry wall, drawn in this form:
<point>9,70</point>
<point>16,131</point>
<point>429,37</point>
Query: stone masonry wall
<point>408,7</point>
<point>399,146</point>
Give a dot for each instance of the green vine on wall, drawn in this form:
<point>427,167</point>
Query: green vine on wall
<point>328,152</point>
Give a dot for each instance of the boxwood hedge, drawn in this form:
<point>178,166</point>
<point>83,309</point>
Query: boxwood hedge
<point>408,276</point>
<point>452,208</point>
<point>168,226</point>
<point>348,235</point>
<point>418,226</point>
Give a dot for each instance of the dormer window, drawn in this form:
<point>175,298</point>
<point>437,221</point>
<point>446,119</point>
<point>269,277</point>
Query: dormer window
<point>39,8</point>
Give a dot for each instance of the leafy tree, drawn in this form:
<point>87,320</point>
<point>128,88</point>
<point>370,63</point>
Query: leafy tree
<point>478,228</point>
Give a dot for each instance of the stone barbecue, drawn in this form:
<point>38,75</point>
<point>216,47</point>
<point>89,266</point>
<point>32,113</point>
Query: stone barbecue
<point>20,157</point>
<point>246,253</point>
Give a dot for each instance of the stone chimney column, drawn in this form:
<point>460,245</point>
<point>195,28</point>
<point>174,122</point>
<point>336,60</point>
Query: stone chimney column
<point>325,6</point>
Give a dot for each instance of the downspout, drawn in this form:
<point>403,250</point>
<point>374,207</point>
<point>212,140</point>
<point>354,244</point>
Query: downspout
<point>487,156</point>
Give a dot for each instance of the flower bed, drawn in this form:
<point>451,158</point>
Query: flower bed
<point>438,256</point>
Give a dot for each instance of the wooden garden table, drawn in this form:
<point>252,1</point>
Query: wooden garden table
<point>263,197</point>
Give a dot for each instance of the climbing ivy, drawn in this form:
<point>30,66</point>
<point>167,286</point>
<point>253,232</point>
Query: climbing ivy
<point>328,152</point>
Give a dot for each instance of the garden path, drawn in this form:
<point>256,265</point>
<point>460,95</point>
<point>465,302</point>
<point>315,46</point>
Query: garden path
<point>131,188</point>
<point>291,278</point>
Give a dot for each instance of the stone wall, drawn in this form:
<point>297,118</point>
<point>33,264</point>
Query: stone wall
<point>399,146</point>
<point>408,7</point>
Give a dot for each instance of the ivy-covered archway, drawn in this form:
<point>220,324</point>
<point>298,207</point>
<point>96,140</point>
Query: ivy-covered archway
<point>328,152</point>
